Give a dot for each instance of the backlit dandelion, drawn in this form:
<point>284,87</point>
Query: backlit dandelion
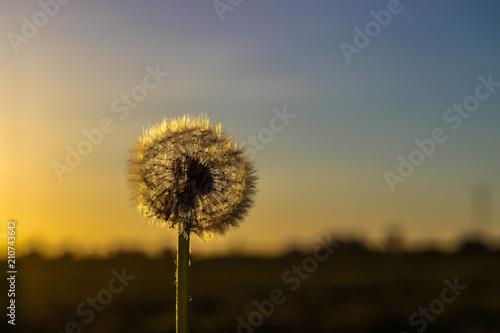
<point>188,175</point>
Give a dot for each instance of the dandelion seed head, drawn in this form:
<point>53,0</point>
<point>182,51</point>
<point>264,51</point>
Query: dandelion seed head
<point>185,173</point>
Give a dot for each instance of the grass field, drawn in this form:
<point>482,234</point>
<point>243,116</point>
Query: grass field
<point>350,291</point>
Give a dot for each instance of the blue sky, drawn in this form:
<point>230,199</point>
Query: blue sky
<point>323,173</point>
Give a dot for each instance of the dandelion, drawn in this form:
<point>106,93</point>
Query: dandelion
<point>186,174</point>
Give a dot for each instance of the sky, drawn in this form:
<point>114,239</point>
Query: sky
<point>358,81</point>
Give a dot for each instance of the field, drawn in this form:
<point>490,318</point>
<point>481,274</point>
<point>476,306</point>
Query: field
<point>351,291</point>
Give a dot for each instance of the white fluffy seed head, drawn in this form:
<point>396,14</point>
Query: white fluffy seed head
<point>186,174</point>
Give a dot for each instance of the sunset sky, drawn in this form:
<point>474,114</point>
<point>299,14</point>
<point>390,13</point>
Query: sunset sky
<point>324,172</point>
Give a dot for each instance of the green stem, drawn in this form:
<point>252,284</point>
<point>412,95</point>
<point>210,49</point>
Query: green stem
<point>182,323</point>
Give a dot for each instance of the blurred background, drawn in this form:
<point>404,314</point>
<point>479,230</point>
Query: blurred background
<point>337,103</point>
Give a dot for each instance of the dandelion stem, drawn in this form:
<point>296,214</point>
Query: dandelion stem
<point>182,323</point>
